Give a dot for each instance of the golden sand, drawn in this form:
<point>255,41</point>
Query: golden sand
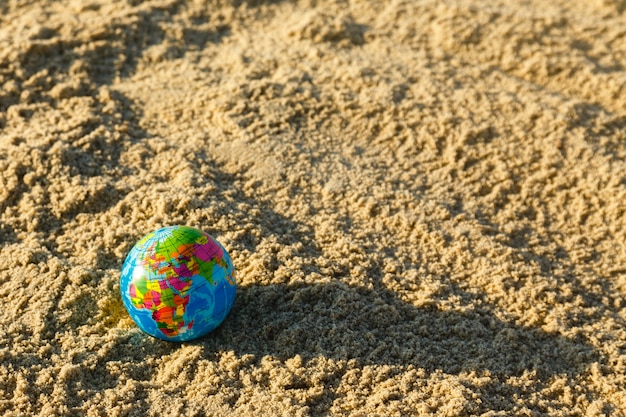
<point>424,201</point>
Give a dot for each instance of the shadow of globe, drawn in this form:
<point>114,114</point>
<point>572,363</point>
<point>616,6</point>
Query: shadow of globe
<point>344,322</point>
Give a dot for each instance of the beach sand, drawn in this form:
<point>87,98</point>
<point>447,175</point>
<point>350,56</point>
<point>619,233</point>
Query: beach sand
<point>424,202</point>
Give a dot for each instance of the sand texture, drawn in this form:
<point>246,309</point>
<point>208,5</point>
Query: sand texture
<point>425,202</point>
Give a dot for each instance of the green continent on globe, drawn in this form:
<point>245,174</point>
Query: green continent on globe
<point>169,266</point>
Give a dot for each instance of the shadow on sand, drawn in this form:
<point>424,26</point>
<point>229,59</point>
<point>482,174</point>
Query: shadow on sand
<point>345,322</point>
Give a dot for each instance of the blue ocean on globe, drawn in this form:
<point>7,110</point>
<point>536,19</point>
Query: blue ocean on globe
<point>178,283</point>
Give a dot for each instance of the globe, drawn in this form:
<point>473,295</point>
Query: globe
<point>178,283</point>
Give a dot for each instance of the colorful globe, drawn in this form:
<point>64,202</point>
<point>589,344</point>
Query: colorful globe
<point>178,283</point>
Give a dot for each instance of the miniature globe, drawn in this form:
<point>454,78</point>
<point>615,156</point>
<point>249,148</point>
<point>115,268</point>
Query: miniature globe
<point>178,283</point>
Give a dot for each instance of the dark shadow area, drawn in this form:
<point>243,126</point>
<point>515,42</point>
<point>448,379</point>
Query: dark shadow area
<point>345,322</point>
<point>7,235</point>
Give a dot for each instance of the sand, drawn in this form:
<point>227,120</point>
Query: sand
<point>424,202</point>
